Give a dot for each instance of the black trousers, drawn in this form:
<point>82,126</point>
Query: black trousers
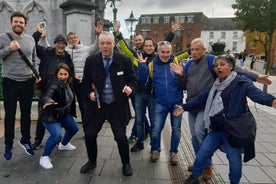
<point>23,92</point>
<point>109,112</point>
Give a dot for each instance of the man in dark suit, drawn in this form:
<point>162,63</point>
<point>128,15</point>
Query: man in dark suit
<point>108,80</point>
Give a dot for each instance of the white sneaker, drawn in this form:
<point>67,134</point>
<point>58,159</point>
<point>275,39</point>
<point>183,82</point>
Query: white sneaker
<point>68,146</point>
<point>45,162</point>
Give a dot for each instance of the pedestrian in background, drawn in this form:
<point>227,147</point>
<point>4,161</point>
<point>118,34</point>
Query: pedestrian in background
<point>18,82</point>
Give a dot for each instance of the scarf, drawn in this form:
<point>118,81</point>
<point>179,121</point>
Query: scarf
<point>214,104</point>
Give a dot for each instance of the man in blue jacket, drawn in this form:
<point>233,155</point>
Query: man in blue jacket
<point>167,95</point>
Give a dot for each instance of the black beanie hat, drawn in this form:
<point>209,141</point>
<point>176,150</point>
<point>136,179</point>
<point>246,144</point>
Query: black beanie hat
<point>60,38</point>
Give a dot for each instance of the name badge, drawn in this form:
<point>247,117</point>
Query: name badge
<point>120,73</point>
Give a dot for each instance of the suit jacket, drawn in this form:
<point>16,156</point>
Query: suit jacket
<point>121,73</point>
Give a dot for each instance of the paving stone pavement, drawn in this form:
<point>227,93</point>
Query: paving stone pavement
<point>25,169</point>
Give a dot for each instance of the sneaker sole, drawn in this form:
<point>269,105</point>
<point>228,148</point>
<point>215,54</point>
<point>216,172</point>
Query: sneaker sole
<point>24,148</point>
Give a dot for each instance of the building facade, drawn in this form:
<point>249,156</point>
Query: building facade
<point>195,25</point>
<point>61,16</point>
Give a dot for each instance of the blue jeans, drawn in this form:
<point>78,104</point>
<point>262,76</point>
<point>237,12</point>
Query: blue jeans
<point>211,143</point>
<point>134,127</point>
<point>55,130</point>
<point>161,112</point>
<point>142,101</point>
<point>197,129</point>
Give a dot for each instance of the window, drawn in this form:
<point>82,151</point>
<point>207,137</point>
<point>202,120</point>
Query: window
<point>179,18</point>
<point>235,35</point>
<point>190,19</point>
<point>223,35</point>
<point>189,32</point>
<point>155,20</point>
<point>146,20</point>
<point>234,46</point>
<point>167,20</point>
<point>211,35</point>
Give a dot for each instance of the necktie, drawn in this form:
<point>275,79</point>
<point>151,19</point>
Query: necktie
<point>106,67</point>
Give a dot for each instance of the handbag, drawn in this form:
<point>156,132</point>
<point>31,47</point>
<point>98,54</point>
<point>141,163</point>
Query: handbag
<point>241,130</point>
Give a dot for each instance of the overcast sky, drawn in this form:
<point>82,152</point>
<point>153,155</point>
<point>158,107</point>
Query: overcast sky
<point>211,8</point>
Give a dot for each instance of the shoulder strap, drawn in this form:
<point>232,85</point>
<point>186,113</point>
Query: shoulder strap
<point>211,58</point>
<point>25,58</point>
<point>187,66</point>
<point>151,69</point>
<point>210,64</point>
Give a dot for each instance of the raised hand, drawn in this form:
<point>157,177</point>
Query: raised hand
<point>99,27</point>
<point>140,58</point>
<point>176,26</point>
<point>178,69</point>
<point>116,27</point>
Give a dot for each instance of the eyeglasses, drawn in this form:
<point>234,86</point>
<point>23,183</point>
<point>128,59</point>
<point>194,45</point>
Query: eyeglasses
<point>163,43</point>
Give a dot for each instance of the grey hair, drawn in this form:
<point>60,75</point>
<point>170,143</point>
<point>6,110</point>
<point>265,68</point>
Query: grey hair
<point>198,40</point>
<point>106,33</point>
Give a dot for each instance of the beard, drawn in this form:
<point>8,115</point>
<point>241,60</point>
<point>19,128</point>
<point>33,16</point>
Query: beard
<point>18,30</point>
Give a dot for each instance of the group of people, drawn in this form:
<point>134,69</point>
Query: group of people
<point>104,79</point>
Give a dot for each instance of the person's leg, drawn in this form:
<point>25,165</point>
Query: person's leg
<point>10,102</point>
<point>151,107</point>
<point>71,128</point>
<point>140,110</point>
<point>80,99</point>
<point>210,144</point>
<point>54,130</point>
<point>176,131</point>
<point>197,129</point>
<point>133,134</point>
<point>25,103</point>
<point>234,156</point>
<point>161,113</point>
<point>91,130</point>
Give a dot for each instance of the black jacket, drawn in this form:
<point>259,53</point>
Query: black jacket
<point>48,61</point>
<point>121,74</point>
<point>57,92</point>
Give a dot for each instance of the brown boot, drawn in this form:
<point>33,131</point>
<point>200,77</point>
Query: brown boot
<point>207,173</point>
<point>190,167</point>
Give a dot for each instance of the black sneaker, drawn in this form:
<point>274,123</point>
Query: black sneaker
<point>8,152</point>
<point>36,145</point>
<point>27,147</point>
<point>137,147</point>
<point>192,180</point>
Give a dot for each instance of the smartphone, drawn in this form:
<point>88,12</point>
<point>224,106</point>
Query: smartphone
<point>42,24</point>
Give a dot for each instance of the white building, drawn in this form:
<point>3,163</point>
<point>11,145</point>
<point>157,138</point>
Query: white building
<point>223,30</point>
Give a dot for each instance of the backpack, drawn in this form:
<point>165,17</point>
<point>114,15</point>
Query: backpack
<point>210,65</point>
<point>175,61</point>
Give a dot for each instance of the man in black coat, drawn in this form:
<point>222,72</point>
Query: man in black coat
<point>108,80</point>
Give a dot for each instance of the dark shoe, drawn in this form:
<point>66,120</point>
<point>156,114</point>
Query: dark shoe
<point>27,147</point>
<point>127,170</point>
<point>137,147</point>
<point>88,166</point>
<point>8,152</point>
<point>36,145</point>
<point>192,180</point>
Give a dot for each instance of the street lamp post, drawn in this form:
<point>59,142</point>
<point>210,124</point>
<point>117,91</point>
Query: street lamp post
<point>114,9</point>
<point>130,24</point>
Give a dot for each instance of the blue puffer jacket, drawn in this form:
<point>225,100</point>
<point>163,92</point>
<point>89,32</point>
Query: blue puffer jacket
<point>165,81</point>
